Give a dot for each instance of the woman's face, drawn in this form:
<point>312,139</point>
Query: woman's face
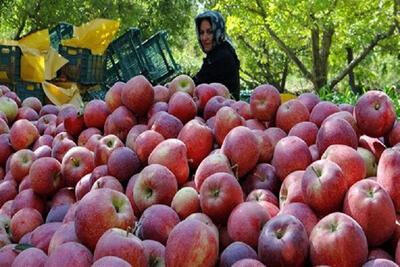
<point>206,35</point>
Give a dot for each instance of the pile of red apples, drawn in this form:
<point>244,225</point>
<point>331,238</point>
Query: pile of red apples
<point>184,175</point>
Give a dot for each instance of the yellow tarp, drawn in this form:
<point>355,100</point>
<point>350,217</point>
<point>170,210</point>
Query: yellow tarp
<point>95,35</point>
<point>287,97</point>
<point>63,93</point>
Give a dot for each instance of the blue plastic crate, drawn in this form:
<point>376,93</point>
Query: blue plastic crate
<point>26,89</point>
<point>10,63</point>
<point>158,58</point>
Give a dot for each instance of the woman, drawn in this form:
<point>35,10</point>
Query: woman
<point>221,63</point>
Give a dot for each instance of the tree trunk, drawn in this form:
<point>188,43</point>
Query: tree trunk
<point>352,82</point>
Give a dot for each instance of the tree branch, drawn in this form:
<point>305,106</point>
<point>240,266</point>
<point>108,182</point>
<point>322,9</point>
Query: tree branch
<point>315,52</point>
<point>378,37</point>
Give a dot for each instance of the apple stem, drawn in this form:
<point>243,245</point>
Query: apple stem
<point>235,168</point>
<point>316,171</point>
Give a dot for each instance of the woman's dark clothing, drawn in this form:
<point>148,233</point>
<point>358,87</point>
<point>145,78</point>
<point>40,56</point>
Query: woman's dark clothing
<point>221,65</point>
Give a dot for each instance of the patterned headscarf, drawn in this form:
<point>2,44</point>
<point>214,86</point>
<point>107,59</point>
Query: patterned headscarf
<point>217,26</point>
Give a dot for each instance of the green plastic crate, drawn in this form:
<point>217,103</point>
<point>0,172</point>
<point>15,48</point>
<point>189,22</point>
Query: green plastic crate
<point>99,93</point>
<point>158,58</point>
<point>10,63</point>
<point>112,70</point>
<point>61,31</point>
<point>26,89</point>
<point>83,67</point>
<point>245,95</point>
<point>126,54</point>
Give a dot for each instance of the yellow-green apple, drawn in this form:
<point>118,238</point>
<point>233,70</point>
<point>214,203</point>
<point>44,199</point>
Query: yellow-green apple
<point>235,252</point>
<point>133,134</point>
<point>113,96</point>
<point>290,190</point>
<point>334,231</point>
<point>123,163</point>
<point>219,195</point>
<point>137,94</point>
<point>166,124</point>
<point>302,212</point>
<point>366,201</point>
<point>213,163</point>
<point>45,176</point>
<point>185,202</point>
<point>70,254</point>
<point>199,139</point>
<point>100,210</point>
<point>20,163</point>
<point>324,187</point>
<point>225,120</point>
<point>222,90</point>
<point>105,146</point>
<point>32,102</point>
<point>24,221</point>
<point>349,160</point>
<point>95,113</point>
<point>241,148</point>
<point>213,105</point>
<point>155,253</point>
<point>290,113</point>
<point>27,113</point>
<point>156,184</point>
<point>291,154</point>
<point>246,221</point>
<point>30,257</point>
<point>336,131</point>
<point>375,113</point>
<point>120,243</point>
<point>262,195</point>
<point>23,134</point>
<point>264,102</point>
<point>41,236</point>
<point>119,122</point>
<point>108,182</point>
<point>275,134</point>
<point>9,107</point>
<point>161,94</point>
<point>145,143</point>
<point>202,93</point>
<point>309,100</point>
<point>369,160</point>
<point>172,153</point>
<point>49,109</point>
<point>86,134</point>
<point>283,242</point>
<point>182,83</point>
<point>28,199</point>
<point>321,111</point>
<point>186,248</point>
<point>306,130</point>
<point>263,176</point>
<point>76,163</point>
<point>156,223</point>
<point>111,261</point>
<point>388,172</point>
<point>182,106</point>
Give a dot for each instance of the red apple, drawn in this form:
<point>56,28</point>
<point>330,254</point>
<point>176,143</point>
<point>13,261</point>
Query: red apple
<point>83,186</point>
<point>185,202</point>
<point>86,134</point>
<point>119,122</point>
<point>338,240</point>
<point>100,210</point>
<point>43,151</point>
<point>64,195</point>
<point>28,199</point>
<point>182,83</point>
<point>49,109</point>
<point>290,113</point>
<point>45,176</point>
<point>30,257</point>
<point>172,154</point>
<point>113,96</point>
<point>283,242</point>
<point>41,236</point>
<point>321,111</point>
<point>375,113</point>
<point>93,141</point>
<point>4,127</point>
<point>138,95</point>
<point>262,195</point>
<point>20,163</point>
<point>263,176</point>
<point>248,263</point>
<point>374,145</point>
<point>186,248</point>
<point>122,244</point>
<point>23,134</point>
<point>155,253</point>
<point>225,120</point>
<point>145,143</point>
<point>5,148</point>
<point>161,94</point>
<point>105,146</point>
<point>111,261</point>
<point>246,221</point>
<point>123,163</point>
<point>27,113</point>
<point>32,102</point>
<point>156,223</point>
<point>76,163</point>
<point>74,122</point>
<point>133,134</point>
<point>222,90</point>
<point>166,124</point>
<point>8,254</point>
<point>155,185</point>
<point>108,182</point>
<point>302,212</point>
<point>70,254</point>
<point>366,201</point>
<point>8,191</point>
<point>99,171</point>
<point>58,212</point>
<point>393,136</point>
<point>182,106</point>
<point>242,149</point>
<point>156,107</point>
<point>236,252</point>
<point>213,105</point>
<point>43,140</point>
<point>346,107</point>
<point>219,195</point>
<point>96,113</point>
<point>129,193</point>
<point>306,130</point>
<point>203,93</point>
<point>243,109</point>
<point>264,102</point>
<point>309,100</point>
<point>24,221</point>
<point>46,121</point>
